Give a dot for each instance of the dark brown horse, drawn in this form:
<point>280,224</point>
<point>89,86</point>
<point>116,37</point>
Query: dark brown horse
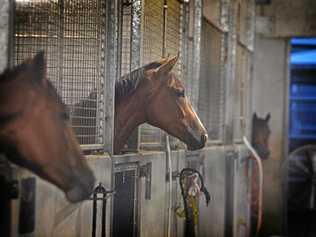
<point>260,141</point>
<point>35,133</point>
<point>153,94</point>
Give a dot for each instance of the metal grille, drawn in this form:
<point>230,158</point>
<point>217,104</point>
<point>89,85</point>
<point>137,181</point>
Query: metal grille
<point>211,91</point>
<point>126,39</point>
<point>71,34</point>
<point>241,91</point>
<point>173,33</point>
<point>153,46</point>
<point>152,50</point>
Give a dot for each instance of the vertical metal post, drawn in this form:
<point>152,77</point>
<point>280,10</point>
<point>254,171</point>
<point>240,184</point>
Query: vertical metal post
<point>136,34</point>
<point>164,28</point>
<point>4,35</point>
<point>60,45</point>
<point>184,39</point>
<point>197,31</point>
<point>228,21</point>
<point>111,73</point>
<point>136,45</point>
<point>94,215</point>
<point>229,71</point>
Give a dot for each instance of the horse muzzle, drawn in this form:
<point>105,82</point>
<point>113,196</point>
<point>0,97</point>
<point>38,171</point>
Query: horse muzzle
<point>196,144</point>
<point>82,187</point>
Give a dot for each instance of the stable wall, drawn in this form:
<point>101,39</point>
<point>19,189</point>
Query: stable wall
<point>54,216</point>
<point>270,86</point>
<point>287,18</point>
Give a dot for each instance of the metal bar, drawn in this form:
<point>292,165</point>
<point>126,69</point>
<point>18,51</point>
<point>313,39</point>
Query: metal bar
<point>136,34</point>
<point>185,36</point>
<point>111,73</point>
<point>61,45</point>
<point>164,27</point>
<point>229,72</point>
<point>197,30</point>
<point>103,233</point>
<point>94,215</point>
<point>229,193</point>
<point>4,36</point>
<point>135,45</point>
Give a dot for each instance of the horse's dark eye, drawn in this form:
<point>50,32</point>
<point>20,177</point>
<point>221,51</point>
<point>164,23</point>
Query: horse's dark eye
<point>65,116</point>
<point>180,93</point>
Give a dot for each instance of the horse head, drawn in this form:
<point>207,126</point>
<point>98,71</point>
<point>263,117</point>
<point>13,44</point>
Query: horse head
<point>37,134</point>
<point>168,107</point>
<point>260,135</point>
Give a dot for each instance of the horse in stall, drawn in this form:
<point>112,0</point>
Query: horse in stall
<point>153,94</point>
<point>35,132</point>
<point>150,94</point>
<point>260,142</point>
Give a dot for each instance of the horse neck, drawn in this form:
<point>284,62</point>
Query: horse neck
<point>129,113</point>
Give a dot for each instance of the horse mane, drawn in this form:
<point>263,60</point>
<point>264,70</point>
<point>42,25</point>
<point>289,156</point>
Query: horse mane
<point>129,82</point>
<point>11,73</point>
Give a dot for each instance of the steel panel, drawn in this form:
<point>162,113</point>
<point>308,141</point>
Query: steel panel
<point>212,91</point>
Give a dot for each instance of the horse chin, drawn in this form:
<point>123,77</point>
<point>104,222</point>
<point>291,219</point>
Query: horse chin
<point>262,151</point>
<point>77,194</point>
<point>81,190</point>
<point>195,147</point>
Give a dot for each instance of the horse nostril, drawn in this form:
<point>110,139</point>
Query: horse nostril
<point>204,138</point>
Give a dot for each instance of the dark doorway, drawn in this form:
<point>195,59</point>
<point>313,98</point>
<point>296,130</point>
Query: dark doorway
<point>5,206</point>
<point>124,211</point>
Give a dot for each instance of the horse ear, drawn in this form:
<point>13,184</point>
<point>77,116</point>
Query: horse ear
<point>39,66</point>
<point>268,117</point>
<point>167,66</point>
<point>164,60</point>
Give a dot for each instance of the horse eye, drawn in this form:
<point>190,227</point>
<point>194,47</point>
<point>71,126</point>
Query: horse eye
<point>180,93</point>
<point>65,116</point>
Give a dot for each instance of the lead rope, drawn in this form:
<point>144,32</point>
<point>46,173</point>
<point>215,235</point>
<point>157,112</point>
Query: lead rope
<point>257,159</point>
<point>190,198</point>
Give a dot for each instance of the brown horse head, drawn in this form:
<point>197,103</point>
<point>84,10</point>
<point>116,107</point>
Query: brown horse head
<point>35,132</point>
<point>260,135</point>
<point>168,107</point>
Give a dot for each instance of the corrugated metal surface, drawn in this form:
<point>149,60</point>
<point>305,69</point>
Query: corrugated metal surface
<point>70,34</point>
<point>211,91</point>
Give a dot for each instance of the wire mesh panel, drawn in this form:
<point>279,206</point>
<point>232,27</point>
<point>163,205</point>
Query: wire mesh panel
<point>152,51</point>
<point>211,91</point>
<point>152,48</point>
<point>71,32</point>
<point>126,15</point>
<point>173,33</point>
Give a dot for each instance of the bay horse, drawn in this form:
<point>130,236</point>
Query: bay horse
<point>153,94</point>
<point>260,142</point>
<point>35,133</point>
